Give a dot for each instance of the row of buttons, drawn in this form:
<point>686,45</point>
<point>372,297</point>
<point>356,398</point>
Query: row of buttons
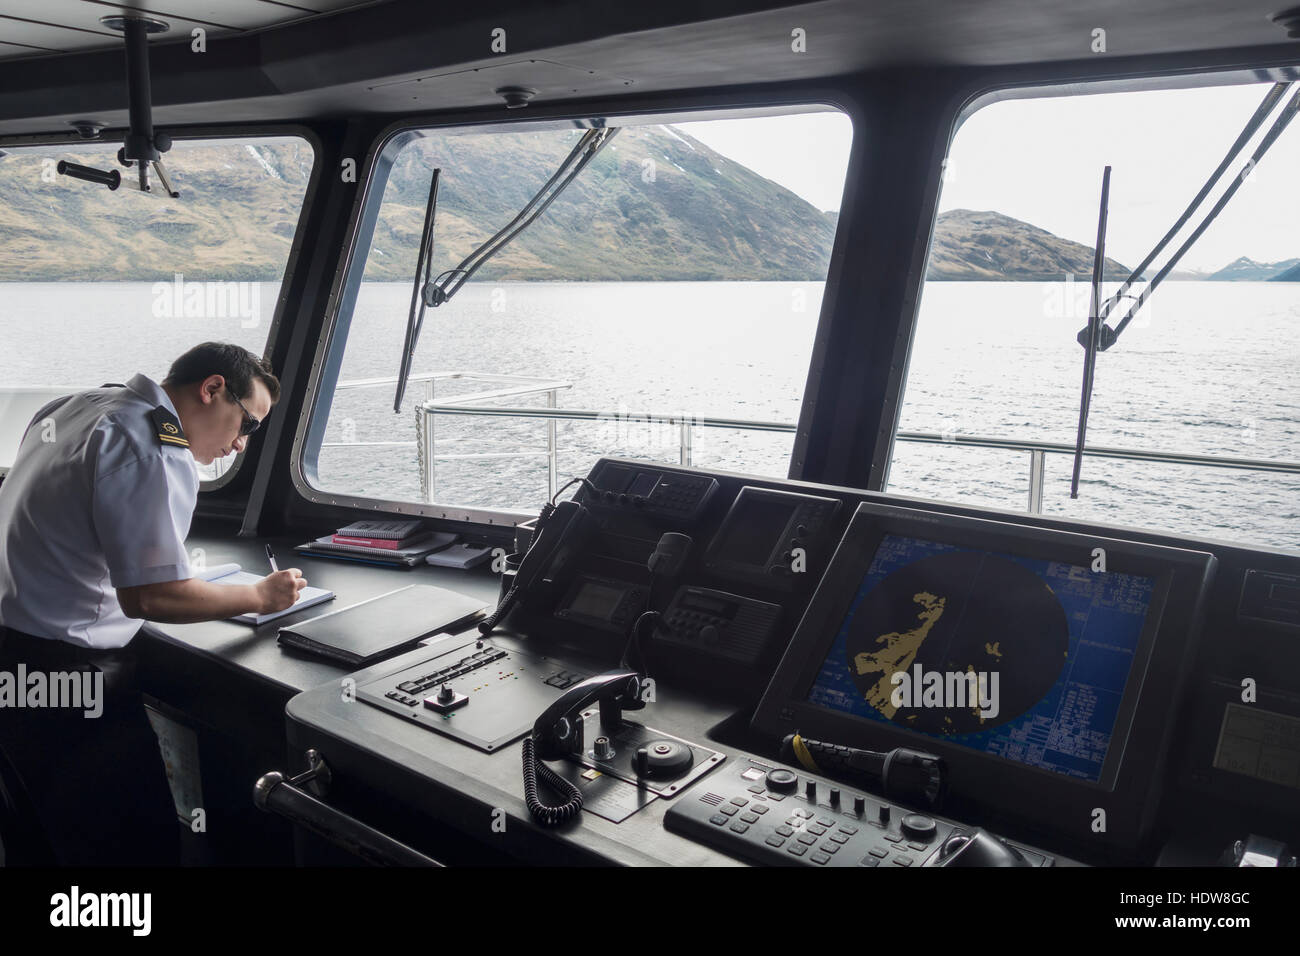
<point>695,617</point>
<point>402,698</point>
<point>677,494</point>
<point>879,854</point>
<point>802,814</point>
<point>806,836</point>
<point>451,671</point>
<point>805,841</point>
<point>914,844</point>
<point>563,679</point>
<point>808,825</point>
<point>802,832</point>
<point>797,825</point>
<point>623,499</point>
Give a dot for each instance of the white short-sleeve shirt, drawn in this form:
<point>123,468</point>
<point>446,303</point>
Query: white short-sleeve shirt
<point>100,496</point>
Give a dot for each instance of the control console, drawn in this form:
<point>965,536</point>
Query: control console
<point>648,491</point>
<point>482,693</point>
<point>727,625</point>
<point>769,814</point>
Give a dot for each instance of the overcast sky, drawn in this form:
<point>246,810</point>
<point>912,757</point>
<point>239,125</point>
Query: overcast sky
<point>1041,161</point>
<point>807,154</point>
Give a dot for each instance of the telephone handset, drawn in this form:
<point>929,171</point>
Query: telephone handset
<point>560,532</point>
<point>558,731</point>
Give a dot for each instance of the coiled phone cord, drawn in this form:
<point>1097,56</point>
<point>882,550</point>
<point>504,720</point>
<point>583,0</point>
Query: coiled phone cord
<point>489,623</point>
<point>544,813</point>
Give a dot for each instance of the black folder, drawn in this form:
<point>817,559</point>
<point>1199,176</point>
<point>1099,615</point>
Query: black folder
<point>364,633</point>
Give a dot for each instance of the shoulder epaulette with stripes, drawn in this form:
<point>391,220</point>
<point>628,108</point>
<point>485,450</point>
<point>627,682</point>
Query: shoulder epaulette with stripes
<point>169,428</point>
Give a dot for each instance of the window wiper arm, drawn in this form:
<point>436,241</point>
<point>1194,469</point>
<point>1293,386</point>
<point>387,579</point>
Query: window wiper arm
<point>1108,336</point>
<point>448,283</point>
<point>1096,336</point>
<point>435,292</point>
<point>423,266</point>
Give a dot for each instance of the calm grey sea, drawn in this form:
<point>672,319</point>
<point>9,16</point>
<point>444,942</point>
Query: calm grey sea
<point>1213,370</point>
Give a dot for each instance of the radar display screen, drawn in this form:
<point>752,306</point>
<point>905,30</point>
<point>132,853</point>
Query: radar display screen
<point>1018,657</point>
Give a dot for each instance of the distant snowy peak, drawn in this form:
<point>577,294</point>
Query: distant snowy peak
<point>1248,269</point>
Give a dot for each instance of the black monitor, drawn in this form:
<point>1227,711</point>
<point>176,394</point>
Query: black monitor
<point>1043,665</point>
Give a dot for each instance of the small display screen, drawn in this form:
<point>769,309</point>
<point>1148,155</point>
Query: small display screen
<point>699,602</point>
<point>1023,658</point>
<point>752,530</point>
<point>1259,743</point>
<point>597,601</point>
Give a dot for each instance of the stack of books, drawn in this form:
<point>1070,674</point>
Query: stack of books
<point>397,543</point>
<point>388,535</point>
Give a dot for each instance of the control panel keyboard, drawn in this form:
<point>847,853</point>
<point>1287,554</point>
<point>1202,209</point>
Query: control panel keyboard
<point>479,692</point>
<point>419,683</point>
<point>771,815</point>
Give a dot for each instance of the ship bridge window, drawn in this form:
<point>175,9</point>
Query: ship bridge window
<point>97,285</point>
<point>1193,424</point>
<point>662,307</point>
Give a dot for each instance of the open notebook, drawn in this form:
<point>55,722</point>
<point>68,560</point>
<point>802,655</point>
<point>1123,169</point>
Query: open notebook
<point>232,574</point>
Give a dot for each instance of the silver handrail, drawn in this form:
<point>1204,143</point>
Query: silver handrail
<point>462,405</point>
<point>516,386</point>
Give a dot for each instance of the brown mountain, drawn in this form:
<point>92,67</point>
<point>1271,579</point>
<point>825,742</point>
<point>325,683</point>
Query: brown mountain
<point>234,221</point>
<point>970,245</point>
<point>656,205</point>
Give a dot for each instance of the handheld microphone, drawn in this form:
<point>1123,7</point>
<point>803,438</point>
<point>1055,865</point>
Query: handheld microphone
<point>905,775</point>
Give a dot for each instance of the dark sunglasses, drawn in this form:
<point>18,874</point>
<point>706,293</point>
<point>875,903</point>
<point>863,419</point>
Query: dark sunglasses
<point>250,424</point>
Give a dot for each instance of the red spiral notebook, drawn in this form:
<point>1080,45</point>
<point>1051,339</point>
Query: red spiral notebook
<point>408,556</point>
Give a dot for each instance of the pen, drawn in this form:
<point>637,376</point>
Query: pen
<point>270,556</point>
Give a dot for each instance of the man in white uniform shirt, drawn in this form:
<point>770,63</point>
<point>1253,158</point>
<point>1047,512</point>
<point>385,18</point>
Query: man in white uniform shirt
<point>93,519</point>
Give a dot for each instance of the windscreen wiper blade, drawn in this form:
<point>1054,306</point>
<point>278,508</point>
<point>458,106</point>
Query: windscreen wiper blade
<point>434,292</point>
<point>1271,99</point>
<point>1096,336</point>
<point>1093,330</point>
<point>1108,335</point>
<point>448,283</point>
<point>423,266</point>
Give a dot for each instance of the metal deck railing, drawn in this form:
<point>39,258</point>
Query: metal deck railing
<point>508,386</point>
<point>468,405</point>
<point>519,386</point>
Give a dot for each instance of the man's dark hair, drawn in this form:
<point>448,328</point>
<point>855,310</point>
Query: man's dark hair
<point>238,365</point>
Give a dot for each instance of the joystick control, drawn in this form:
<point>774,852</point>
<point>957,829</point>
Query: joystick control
<point>446,700</point>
